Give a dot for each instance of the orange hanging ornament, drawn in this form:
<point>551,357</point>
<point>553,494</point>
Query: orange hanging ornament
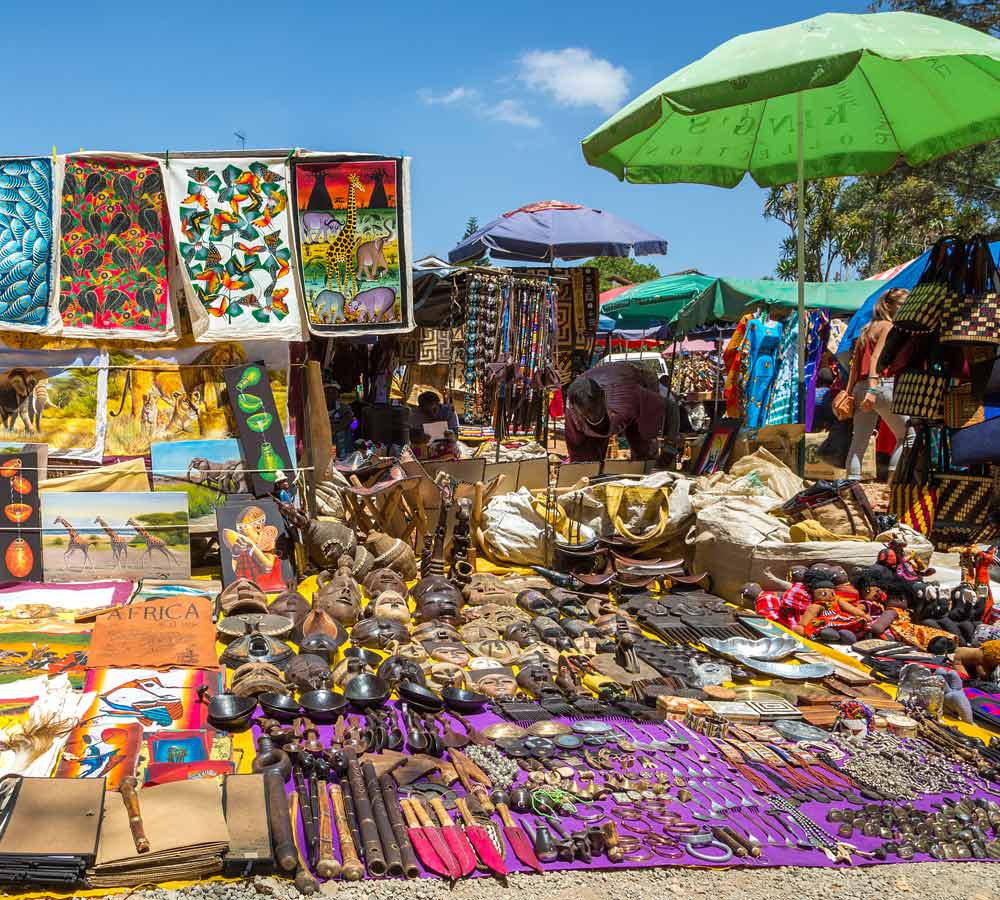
<point>17,512</point>
<point>19,558</point>
<point>20,485</point>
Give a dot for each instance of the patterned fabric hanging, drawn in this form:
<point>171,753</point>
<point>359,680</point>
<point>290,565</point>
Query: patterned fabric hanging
<point>113,245</point>
<point>231,227</point>
<point>26,242</point>
<point>784,400</point>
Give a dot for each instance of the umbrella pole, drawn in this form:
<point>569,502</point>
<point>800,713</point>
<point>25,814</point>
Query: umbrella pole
<point>800,227</point>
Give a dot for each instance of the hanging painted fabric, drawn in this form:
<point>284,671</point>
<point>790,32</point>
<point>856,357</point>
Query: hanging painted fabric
<point>353,232</point>
<point>26,242</point>
<point>230,221</point>
<point>113,263</point>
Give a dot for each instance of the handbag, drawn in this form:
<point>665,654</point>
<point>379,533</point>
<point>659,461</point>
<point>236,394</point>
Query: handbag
<point>843,404</point>
<point>963,407</point>
<point>919,395</point>
<point>839,506</point>
<point>977,445</point>
<point>963,505</point>
<point>973,317</point>
<point>922,310</point>
<point>913,497</point>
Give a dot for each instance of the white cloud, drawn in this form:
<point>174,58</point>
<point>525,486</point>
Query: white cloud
<point>575,77</point>
<point>511,112</point>
<point>455,95</point>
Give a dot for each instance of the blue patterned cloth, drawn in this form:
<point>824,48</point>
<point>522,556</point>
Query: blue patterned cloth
<point>784,404</point>
<point>764,342</point>
<point>25,242</point>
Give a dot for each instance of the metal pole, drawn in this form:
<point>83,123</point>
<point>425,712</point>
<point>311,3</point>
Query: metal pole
<point>800,227</point>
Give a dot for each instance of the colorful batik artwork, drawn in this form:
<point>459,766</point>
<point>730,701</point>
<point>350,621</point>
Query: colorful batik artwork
<point>352,215</point>
<point>230,221</point>
<point>25,243</point>
<point>113,263</point>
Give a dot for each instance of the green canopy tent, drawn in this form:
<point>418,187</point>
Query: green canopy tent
<point>839,94</point>
<point>655,301</point>
<point>727,299</point>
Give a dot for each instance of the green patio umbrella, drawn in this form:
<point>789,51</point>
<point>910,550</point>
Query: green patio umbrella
<point>838,94</point>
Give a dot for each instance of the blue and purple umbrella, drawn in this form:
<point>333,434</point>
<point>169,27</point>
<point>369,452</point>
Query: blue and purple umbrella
<point>550,230</point>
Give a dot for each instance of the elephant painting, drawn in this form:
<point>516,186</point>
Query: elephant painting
<point>19,398</point>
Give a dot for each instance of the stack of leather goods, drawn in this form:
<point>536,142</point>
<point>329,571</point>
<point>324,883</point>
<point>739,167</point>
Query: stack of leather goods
<point>50,828</point>
<point>185,829</point>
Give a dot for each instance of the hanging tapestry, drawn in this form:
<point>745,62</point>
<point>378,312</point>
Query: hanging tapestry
<point>262,441</point>
<point>230,221</point>
<point>113,262</point>
<point>577,302</point>
<point>25,243</point>
<point>54,397</point>
<point>353,233</point>
<point>175,395</point>
<point>784,404</point>
<point>428,346</point>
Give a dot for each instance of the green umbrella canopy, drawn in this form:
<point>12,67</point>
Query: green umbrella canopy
<point>875,88</point>
<point>658,300</point>
<point>729,298</point>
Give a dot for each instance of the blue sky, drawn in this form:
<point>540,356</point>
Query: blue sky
<point>490,101</point>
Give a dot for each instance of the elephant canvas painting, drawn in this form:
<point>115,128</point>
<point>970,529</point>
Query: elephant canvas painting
<point>52,397</point>
<point>352,221</point>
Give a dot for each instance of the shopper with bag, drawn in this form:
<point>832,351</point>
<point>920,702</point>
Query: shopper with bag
<point>868,392</point>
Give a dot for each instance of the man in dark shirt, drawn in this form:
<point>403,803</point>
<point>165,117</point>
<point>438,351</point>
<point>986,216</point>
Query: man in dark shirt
<point>431,409</point>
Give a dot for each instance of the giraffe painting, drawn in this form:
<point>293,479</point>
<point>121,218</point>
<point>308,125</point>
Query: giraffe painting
<point>153,543</point>
<point>343,248</point>
<point>77,544</point>
<point>352,221</point>
<point>119,543</point>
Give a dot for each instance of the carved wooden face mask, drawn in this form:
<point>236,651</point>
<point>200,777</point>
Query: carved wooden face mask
<point>381,580</point>
<point>502,651</point>
<point>443,674</point>
<point>449,652</point>
<point>499,684</point>
<point>392,605</point>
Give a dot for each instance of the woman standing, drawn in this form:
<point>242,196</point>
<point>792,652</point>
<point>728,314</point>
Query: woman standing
<point>873,393</point>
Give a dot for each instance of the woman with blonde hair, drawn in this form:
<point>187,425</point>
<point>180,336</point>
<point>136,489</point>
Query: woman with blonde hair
<point>871,392</point>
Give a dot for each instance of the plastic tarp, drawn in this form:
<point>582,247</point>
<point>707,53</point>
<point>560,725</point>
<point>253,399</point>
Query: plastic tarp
<point>729,298</point>
<point>654,301</point>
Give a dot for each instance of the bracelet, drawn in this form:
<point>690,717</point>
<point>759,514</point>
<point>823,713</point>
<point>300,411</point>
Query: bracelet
<point>638,856</point>
<point>631,825</point>
<point>707,857</point>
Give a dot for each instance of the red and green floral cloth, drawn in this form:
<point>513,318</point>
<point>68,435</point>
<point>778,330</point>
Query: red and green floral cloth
<point>114,244</point>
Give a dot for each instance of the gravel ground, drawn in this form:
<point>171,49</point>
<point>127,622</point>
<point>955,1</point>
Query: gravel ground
<point>923,881</point>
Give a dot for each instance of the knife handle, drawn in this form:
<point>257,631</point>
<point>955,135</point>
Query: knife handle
<point>505,815</point>
<point>421,812</point>
<point>304,880</point>
<point>327,865</point>
<point>131,800</point>
<point>352,869</point>
<point>479,792</point>
<point>437,804</point>
<point>411,817</point>
<point>463,811</point>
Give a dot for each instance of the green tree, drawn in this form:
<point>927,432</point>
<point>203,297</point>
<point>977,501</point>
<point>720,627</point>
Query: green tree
<point>471,227</point>
<point>623,267</point>
<point>871,223</point>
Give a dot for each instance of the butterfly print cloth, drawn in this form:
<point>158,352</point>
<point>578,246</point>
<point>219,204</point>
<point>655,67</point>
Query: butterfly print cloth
<point>231,225</point>
<point>25,243</point>
<point>113,265</point>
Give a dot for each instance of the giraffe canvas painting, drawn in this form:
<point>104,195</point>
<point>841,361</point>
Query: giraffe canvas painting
<point>352,229</point>
<point>88,535</point>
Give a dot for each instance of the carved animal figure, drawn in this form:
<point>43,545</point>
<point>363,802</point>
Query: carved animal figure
<point>329,306</point>
<point>77,544</point>
<point>372,305</point>
<point>152,542</point>
<point>342,250</point>
<point>371,260</point>
<point>119,544</point>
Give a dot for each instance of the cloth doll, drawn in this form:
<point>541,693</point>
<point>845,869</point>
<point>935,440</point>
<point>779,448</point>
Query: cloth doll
<point>830,619</point>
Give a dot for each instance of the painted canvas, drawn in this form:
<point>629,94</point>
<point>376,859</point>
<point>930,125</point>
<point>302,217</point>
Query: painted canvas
<point>181,394</point>
<point>21,539</point>
<point>119,534</point>
<point>113,249</point>
<point>26,189</point>
<point>156,700</point>
<point>231,225</point>
<point>103,751</point>
<point>262,441</point>
<point>254,543</point>
<point>54,397</point>
<point>208,471</point>
<point>46,646</point>
<point>352,219</point>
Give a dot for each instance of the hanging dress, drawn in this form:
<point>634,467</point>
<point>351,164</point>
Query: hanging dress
<point>764,340</point>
